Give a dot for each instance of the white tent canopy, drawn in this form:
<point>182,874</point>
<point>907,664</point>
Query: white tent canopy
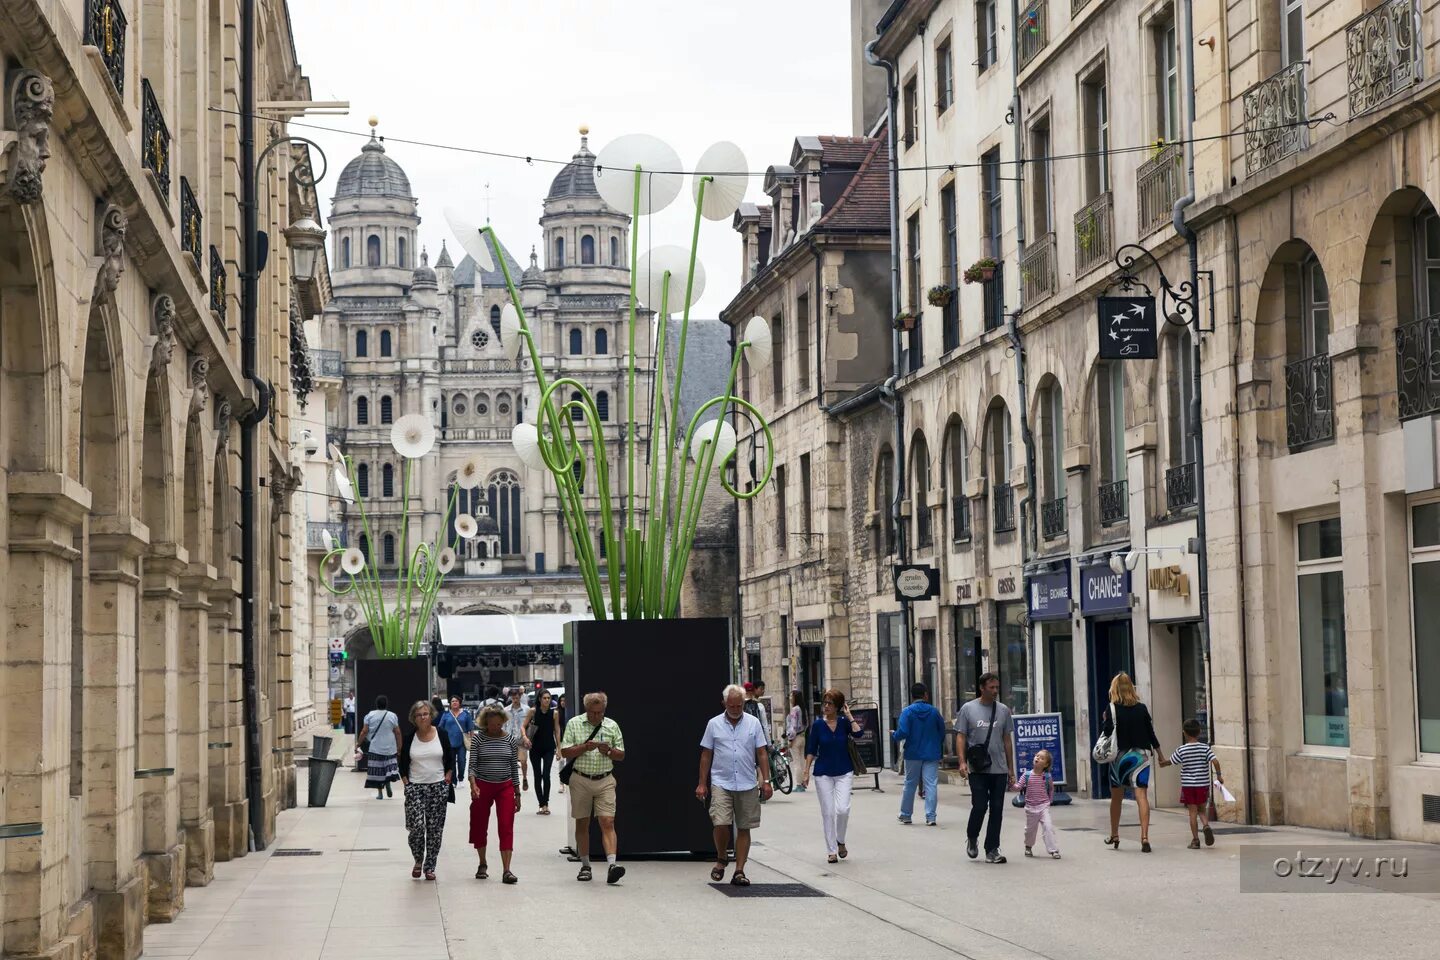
<point>496,630</point>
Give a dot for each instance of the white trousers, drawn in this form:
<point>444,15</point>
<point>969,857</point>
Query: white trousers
<point>834,794</point>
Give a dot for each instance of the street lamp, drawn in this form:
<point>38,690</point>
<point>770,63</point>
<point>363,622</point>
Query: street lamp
<point>306,239</point>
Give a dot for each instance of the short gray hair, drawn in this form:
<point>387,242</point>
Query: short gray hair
<point>593,698</point>
<point>733,688</point>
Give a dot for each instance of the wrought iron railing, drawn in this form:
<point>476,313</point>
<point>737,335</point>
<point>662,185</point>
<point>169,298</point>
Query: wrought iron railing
<point>993,291</point>
<point>1309,402</point>
<point>1159,182</point>
<point>190,219</point>
<point>154,137</point>
<point>327,362</point>
<point>959,519</point>
<point>1052,518</point>
<point>1076,6</point>
<point>913,349</point>
<point>1034,33</point>
<point>1037,269</point>
<point>1094,233</point>
<point>1114,502</point>
<point>217,284</point>
<point>1382,54</point>
<point>1417,367</point>
<point>950,323</point>
<point>105,31</point>
<point>315,534</point>
<point>1180,487</point>
<point>1002,507</point>
<point>1275,118</point>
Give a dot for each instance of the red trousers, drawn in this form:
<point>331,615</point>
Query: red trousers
<point>503,796</point>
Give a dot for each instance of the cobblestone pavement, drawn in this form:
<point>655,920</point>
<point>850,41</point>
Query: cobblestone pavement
<point>904,891</point>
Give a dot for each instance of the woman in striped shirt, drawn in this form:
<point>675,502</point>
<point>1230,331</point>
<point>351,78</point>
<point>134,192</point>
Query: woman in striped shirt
<point>494,778</point>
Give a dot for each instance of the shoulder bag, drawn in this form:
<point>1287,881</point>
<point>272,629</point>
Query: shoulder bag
<point>1107,747</point>
<point>977,755</point>
<point>568,767</point>
<point>854,748</point>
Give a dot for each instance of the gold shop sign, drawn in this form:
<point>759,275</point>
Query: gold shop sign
<point>1171,579</point>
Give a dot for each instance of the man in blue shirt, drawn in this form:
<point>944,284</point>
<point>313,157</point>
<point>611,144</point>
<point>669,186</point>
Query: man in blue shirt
<point>457,724</point>
<point>923,729</point>
<point>733,763</point>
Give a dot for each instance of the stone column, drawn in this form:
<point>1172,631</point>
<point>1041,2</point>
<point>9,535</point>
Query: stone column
<point>158,689</point>
<point>45,510</point>
<point>226,744</point>
<point>192,743</point>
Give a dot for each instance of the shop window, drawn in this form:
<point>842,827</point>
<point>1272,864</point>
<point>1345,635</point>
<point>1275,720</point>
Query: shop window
<point>1425,587</point>
<point>1014,656</point>
<point>1320,586</point>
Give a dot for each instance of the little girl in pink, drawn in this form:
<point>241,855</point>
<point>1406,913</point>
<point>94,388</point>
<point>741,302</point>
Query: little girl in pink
<point>1038,789</point>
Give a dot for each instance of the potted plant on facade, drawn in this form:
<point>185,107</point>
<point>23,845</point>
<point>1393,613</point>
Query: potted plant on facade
<point>981,271</point>
<point>905,320</point>
<point>940,295</point>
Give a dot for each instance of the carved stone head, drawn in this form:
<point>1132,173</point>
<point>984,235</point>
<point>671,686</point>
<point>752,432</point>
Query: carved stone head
<point>165,314</point>
<point>111,243</point>
<point>31,99</point>
<point>199,385</point>
<point>223,418</point>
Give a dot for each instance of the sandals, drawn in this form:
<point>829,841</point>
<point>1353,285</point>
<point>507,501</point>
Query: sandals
<point>508,877</point>
<point>482,872</point>
<point>832,859</point>
<point>1113,842</point>
<point>429,874</point>
<point>739,879</point>
<point>415,872</point>
<point>584,875</point>
<point>1194,844</point>
<point>717,872</point>
<point>843,852</point>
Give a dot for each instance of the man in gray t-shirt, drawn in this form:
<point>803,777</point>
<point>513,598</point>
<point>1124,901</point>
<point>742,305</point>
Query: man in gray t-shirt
<point>973,727</point>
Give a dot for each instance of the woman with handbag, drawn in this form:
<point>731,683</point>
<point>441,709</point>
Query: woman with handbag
<point>494,779</point>
<point>380,741</point>
<point>542,727</point>
<point>830,752</point>
<point>1127,737</point>
<point>426,765</point>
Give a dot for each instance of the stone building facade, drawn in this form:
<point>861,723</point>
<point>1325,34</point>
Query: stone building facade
<point>123,728</point>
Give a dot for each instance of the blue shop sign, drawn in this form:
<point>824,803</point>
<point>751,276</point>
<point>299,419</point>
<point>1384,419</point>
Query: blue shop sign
<point>1040,731</point>
<point>1050,595</point>
<point>1102,590</point>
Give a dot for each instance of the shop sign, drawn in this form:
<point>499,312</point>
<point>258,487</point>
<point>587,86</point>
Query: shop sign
<point>1127,328</point>
<point>1050,595</point>
<point>1102,590</point>
<point>917,582</point>
<point>752,644</point>
<point>1040,731</point>
<point>1005,586</point>
<point>964,591</point>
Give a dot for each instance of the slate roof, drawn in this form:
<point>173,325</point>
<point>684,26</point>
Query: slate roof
<point>707,365</point>
<point>576,178</point>
<point>865,203</point>
<point>464,275</point>
<point>373,174</point>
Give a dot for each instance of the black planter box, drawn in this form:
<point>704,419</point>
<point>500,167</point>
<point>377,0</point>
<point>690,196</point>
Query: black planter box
<point>402,681</point>
<point>663,679</point>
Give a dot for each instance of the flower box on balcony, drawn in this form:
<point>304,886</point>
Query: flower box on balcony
<point>905,321</point>
<point>981,271</point>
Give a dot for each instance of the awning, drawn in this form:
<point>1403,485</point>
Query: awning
<point>498,630</point>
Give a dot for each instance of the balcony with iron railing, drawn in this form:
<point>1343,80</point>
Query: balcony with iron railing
<point>190,219</point>
<point>1076,6</point>
<point>154,138</point>
<point>924,529</point>
<point>105,31</point>
<point>993,297</point>
<point>1052,518</point>
<point>1180,487</point>
<point>1114,502</point>
<point>960,519</point>
<point>1417,367</point>
<point>1159,182</point>
<point>315,534</point>
<point>1034,32</point>
<point>1095,233</point>
<point>328,363</point>
<point>1275,118</point>
<point>217,285</point>
<point>1383,51</point>
<point>1309,402</point>
<point>1037,269</point>
<point>1002,507</point>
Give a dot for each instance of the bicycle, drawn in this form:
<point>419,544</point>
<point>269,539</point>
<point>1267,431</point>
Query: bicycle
<point>782,777</point>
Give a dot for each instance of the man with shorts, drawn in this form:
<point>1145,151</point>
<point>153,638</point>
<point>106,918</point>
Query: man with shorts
<point>595,743</point>
<point>735,774</point>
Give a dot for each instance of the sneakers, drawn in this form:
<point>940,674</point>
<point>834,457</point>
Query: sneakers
<point>971,850</point>
<point>994,856</point>
<point>904,819</point>
<point>931,823</point>
<point>1029,852</point>
<point>613,875</point>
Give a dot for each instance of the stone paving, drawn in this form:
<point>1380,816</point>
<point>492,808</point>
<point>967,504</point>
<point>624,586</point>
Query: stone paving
<point>905,891</point>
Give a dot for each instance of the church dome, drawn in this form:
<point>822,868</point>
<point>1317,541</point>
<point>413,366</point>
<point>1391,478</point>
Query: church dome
<point>576,178</point>
<point>373,174</point>
<point>533,276</point>
<point>423,275</point>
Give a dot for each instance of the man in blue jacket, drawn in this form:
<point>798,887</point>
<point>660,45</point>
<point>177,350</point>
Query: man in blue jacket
<point>923,730</point>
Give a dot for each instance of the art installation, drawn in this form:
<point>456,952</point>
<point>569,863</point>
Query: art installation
<point>659,514</point>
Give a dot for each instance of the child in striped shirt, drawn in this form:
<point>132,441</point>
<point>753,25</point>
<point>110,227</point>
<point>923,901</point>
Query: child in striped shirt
<point>1196,760</point>
<point>1038,789</point>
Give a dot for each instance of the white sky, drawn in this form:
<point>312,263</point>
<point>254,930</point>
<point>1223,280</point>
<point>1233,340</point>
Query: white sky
<point>520,76</point>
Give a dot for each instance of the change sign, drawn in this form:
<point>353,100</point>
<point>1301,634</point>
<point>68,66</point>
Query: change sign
<point>1035,732</point>
<point>1127,328</point>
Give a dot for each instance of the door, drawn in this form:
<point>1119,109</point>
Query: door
<point>929,662</point>
<point>892,679</point>
<point>1060,695</point>
<point>812,673</point>
<point>967,657</point>
<point>1111,651</point>
<point>1193,701</point>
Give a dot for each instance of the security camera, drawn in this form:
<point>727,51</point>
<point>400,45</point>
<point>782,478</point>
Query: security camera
<point>311,442</point>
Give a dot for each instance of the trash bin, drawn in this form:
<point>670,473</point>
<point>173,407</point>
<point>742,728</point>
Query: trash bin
<point>322,775</point>
<point>320,749</point>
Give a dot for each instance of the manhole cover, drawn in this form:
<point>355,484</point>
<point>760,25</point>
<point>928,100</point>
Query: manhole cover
<point>768,890</point>
<point>1239,828</point>
<point>297,853</point>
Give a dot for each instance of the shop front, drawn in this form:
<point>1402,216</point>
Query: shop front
<point>967,658</point>
<point>1050,610</point>
<point>1012,644</point>
<point>1178,671</point>
<point>1109,646</point>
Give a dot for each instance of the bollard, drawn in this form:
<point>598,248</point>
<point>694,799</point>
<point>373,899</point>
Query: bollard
<point>322,775</point>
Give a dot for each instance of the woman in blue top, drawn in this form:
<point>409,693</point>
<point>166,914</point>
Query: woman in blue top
<point>827,754</point>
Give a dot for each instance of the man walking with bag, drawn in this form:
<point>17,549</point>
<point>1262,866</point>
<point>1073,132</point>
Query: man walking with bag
<point>983,743</point>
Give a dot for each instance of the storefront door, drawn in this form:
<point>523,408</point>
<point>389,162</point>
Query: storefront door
<point>966,659</point>
<point>812,672</point>
<point>1013,648</point>
<point>1193,702</point>
<point>1111,651</point>
<point>1060,683</point>
<point>892,679</point>
<point>929,662</point>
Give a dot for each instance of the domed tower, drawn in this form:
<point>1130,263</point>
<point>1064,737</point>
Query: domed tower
<point>587,242</point>
<point>373,219</point>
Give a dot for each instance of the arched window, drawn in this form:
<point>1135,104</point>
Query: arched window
<point>997,468</point>
<point>502,404</point>
<point>400,250</point>
<point>615,251</point>
<point>884,491</point>
<point>481,404</point>
<point>495,321</point>
<point>389,550</point>
<point>503,493</point>
<point>577,342</point>
<point>372,251</point>
<point>362,479</point>
<point>602,405</point>
<point>387,412</point>
<point>602,342</point>
<point>920,490</point>
<point>575,412</point>
<point>387,481</point>
<point>384,343</point>
<point>1180,392</point>
<point>482,550</point>
<point>559,252</point>
<point>1052,443</point>
<point>345,252</point>
<point>587,249</point>
<point>362,411</point>
<point>956,450</point>
<point>365,546</point>
<point>577,470</point>
<point>362,343</point>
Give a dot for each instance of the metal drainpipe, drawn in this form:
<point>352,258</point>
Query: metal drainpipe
<point>1192,241</point>
<point>901,540</point>
<point>254,786</point>
<point>1240,524</point>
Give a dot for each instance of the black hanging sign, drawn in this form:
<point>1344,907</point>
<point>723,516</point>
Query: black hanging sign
<point>1127,328</point>
<point>916,582</point>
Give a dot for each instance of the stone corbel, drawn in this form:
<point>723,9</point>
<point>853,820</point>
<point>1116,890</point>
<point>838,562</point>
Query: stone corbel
<point>199,385</point>
<point>1140,438</point>
<point>110,227</point>
<point>1077,458</point>
<point>224,414</point>
<point>1354,340</point>
<point>29,108</point>
<point>282,485</point>
<point>163,314</point>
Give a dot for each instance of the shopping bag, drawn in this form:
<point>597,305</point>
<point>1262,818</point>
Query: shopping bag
<point>1225,794</point>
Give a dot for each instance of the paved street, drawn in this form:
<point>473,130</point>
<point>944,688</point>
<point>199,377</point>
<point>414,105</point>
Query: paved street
<point>904,891</point>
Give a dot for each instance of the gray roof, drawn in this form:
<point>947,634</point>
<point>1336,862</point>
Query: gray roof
<point>707,366</point>
<point>373,174</point>
<point>465,273</point>
<point>444,259</point>
<point>576,178</point>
